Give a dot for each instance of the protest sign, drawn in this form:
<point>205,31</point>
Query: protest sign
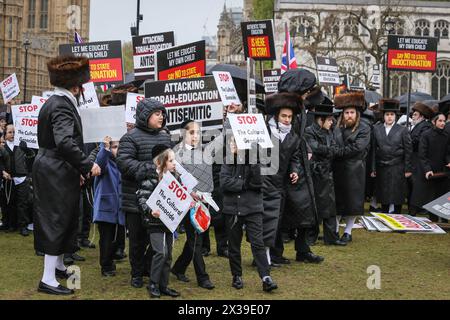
<point>187,179</point>
<point>39,101</point>
<point>144,48</point>
<point>197,99</point>
<point>249,129</point>
<point>90,97</point>
<point>407,53</point>
<point>398,222</point>
<point>130,109</point>
<point>25,129</point>
<point>186,61</point>
<point>171,200</point>
<point>26,110</point>
<point>440,206</point>
<point>101,122</point>
<point>251,86</point>
<point>271,79</point>
<point>258,40</point>
<point>376,77</point>
<point>10,88</point>
<point>105,60</point>
<point>327,71</point>
<point>226,88</point>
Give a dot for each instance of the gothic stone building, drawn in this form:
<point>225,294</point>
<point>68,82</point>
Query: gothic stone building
<point>336,28</point>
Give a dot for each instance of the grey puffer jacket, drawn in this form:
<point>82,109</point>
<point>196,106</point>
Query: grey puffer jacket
<point>135,151</point>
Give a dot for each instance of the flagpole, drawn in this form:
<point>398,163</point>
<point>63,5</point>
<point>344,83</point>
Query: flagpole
<point>288,47</point>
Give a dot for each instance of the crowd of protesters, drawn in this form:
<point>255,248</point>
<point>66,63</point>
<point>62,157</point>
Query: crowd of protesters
<point>333,157</point>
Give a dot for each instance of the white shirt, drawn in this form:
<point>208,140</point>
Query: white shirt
<point>388,128</point>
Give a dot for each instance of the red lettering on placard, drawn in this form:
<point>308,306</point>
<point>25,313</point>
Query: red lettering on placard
<point>7,82</point>
<point>29,108</point>
<point>179,192</point>
<point>247,119</point>
<point>29,122</point>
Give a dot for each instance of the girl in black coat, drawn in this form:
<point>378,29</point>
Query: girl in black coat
<point>241,184</point>
<point>161,238</point>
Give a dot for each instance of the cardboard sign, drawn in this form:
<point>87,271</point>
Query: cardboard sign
<point>440,206</point>
<point>406,53</point>
<point>251,86</point>
<point>258,40</point>
<point>144,48</point>
<point>26,129</point>
<point>130,109</point>
<point>271,79</point>
<point>101,122</point>
<point>327,71</point>
<point>10,88</point>
<point>398,222</point>
<point>186,61</point>
<point>105,60</point>
<point>90,97</point>
<point>249,129</point>
<point>226,88</point>
<point>171,200</point>
<point>197,99</point>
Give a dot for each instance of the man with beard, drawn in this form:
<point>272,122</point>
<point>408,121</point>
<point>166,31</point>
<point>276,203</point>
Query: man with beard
<point>353,136</point>
<point>391,158</point>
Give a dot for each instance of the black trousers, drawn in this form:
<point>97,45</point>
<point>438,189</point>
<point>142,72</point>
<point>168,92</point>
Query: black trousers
<point>329,230</point>
<point>397,208</point>
<point>18,209</point>
<point>3,207</point>
<point>301,242</point>
<point>108,244</point>
<point>254,229</point>
<point>85,219</point>
<point>140,253</point>
<point>192,251</point>
<point>121,235</point>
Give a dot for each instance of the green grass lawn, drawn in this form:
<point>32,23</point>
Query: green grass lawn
<point>412,267</point>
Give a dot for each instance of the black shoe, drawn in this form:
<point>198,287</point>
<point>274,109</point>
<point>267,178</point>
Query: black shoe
<point>39,253</point>
<point>280,260</point>
<point>224,253</point>
<point>154,291</point>
<point>336,243</point>
<point>62,274</point>
<point>309,258</point>
<point>59,290</point>
<point>207,284</point>
<point>108,273</point>
<point>275,265</point>
<point>85,243</point>
<point>346,238</point>
<point>4,228</point>
<point>205,252</point>
<point>180,276</point>
<point>77,257</point>
<point>373,209</point>
<point>68,260</point>
<point>169,292</point>
<point>119,255</point>
<point>24,232</point>
<point>237,282</point>
<point>137,282</point>
<point>269,285</point>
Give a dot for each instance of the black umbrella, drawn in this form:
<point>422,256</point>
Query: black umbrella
<point>239,76</point>
<point>415,97</point>
<point>445,99</point>
<point>372,96</point>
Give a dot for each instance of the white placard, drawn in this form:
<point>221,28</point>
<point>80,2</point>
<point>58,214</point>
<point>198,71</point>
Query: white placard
<point>39,101</point>
<point>90,97</point>
<point>101,122</point>
<point>226,88</point>
<point>10,88</point>
<point>171,200</point>
<point>25,129</point>
<point>249,129</point>
<point>25,111</point>
<point>130,110</point>
<point>187,179</point>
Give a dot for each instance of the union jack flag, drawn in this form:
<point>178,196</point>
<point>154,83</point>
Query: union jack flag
<point>78,38</point>
<point>292,58</point>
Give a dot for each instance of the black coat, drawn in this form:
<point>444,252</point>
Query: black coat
<point>56,177</point>
<point>275,185</point>
<point>324,149</point>
<point>391,159</point>
<point>19,161</point>
<point>135,151</point>
<point>242,189</point>
<point>350,170</point>
<point>434,155</point>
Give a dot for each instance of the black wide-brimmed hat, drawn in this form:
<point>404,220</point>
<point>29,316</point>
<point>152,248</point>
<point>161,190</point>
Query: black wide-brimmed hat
<point>389,105</point>
<point>324,110</point>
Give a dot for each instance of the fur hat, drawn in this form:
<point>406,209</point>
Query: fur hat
<point>278,101</point>
<point>423,109</point>
<point>389,105</point>
<point>355,99</point>
<point>105,100</point>
<point>119,94</point>
<point>68,71</point>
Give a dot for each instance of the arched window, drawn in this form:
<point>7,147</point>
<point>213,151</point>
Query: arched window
<point>351,26</point>
<point>399,27</point>
<point>440,80</point>
<point>422,27</point>
<point>302,26</point>
<point>399,83</point>
<point>441,29</point>
<point>354,67</point>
